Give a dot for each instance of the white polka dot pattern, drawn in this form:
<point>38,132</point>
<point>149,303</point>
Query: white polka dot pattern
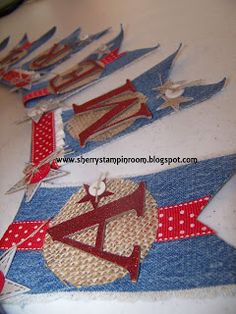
<point>43,138</point>
<point>20,230</point>
<point>180,221</point>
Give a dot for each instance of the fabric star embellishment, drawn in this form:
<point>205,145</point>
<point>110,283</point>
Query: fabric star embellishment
<point>95,192</point>
<point>172,93</point>
<point>8,288</point>
<point>174,103</point>
<point>22,78</point>
<point>46,170</point>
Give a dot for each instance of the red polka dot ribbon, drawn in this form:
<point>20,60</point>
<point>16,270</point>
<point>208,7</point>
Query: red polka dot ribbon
<point>175,222</point>
<point>2,281</point>
<point>26,45</point>
<point>43,145</point>
<point>112,56</point>
<point>36,94</point>
<point>43,138</point>
<point>180,221</point>
<point>18,231</point>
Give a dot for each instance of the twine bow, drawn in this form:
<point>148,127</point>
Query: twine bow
<point>104,49</point>
<point>174,86</point>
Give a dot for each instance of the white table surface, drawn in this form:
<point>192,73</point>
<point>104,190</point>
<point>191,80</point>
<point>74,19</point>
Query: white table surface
<point>207,28</point>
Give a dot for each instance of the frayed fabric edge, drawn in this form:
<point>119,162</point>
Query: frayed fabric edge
<point>208,292</point>
<point>59,131</point>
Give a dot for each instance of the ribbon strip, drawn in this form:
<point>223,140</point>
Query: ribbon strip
<point>175,222</point>
<point>43,145</point>
<point>43,138</point>
<point>180,221</point>
<point>26,45</point>
<point>35,94</point>
<point>112,56</point>
<point>19,230</point>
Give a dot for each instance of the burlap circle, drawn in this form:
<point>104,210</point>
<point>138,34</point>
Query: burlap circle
<point>122,233</point>
<point>78,81</point>
<point>65,50</point>
<point>82,121</point>
<point>19,55</point>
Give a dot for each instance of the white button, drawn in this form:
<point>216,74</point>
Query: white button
<point>174,94</point>
<point>97,188</point>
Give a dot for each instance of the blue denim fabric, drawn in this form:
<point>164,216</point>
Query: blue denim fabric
<point>4,43</point>
<point>195,263</point>
<point>43,39</point>
<point>23,40</point>
<point>123,60</point>
<point>127,58</point>
<point>145,84</point>
<point>112,44</point>
<point>191,181</point>
<point>189,263</point>
<point>74,41</point>
<point>37,43</point>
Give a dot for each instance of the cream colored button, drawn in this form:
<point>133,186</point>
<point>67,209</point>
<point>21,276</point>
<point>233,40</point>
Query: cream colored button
<point>174,94</point>
<point>97,188</point>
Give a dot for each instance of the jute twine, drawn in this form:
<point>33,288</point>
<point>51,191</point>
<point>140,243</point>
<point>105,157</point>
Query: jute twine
<point>121,234</point>
<point>82,121</point>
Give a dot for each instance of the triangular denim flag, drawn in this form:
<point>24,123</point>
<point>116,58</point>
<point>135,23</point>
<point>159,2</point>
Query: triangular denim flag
<point>136,234</point>
<point>104,61</point>
<point>149,97</point>
<point>4,43</point>
<point>22,50</point>
<point>61,51</point>
<point>103,119</point>
<point>36,69</point>
<point>8,75</point>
